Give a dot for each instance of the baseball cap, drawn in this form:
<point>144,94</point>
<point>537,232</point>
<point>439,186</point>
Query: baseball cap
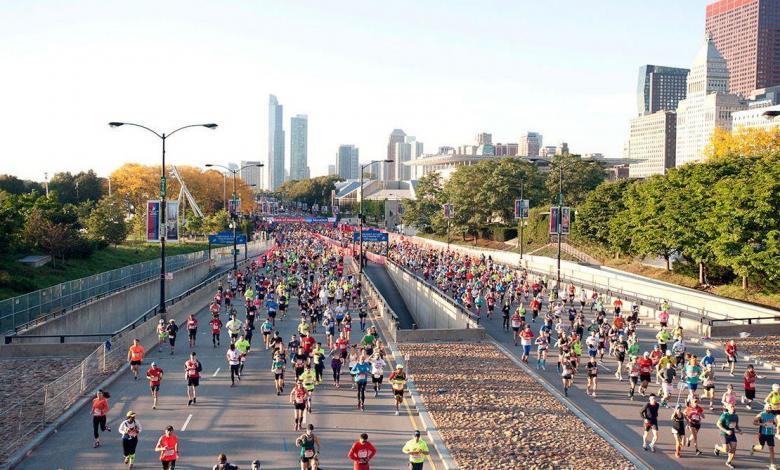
<point>399,366</point>
<point>417,433</point>
<point>153,364</point>
<point>130,413</point>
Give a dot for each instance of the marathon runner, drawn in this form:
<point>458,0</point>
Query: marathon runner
<point>694,415</point>
<point>728,424</point>
<point>767,423</point>
<point>162,334</point>
<point>135,355</point>
<point>99,411</point>
<point>417,449</point>
<point>129,429</point>
<point>168,447</point>
<point>172,330</point>
<point>154,374</point>
<point>216,327</point>
<point>192,329</point>
<point>398,383</point>
<point>298,398</point>
<point>649,414</point>
<point>361,371</point>
<point>361,453</point>
<point>192,370</point>
<point>310,448</point>
<point>233,356</point>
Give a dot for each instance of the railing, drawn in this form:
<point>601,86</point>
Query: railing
<point>30,415</point>
<point>20,312</point>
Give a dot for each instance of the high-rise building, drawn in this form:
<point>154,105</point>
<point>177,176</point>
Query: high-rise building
<point>660,88</point>
<point>332,170</point>
<point>747,34</point>
<point>530,144</point>
<point>388,172</point>
<point>484,138</point>
<point>548,151</point>
<point>275,165</point>
<point>505,150</point>
<point>299,147</point>
<point>562,149</point>
<point>652,143</point>
<point>252,174</point>
<point>347,165</point>
<point>707,105</point>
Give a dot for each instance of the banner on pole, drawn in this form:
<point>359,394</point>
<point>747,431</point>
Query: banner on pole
<point>449,211</point>
<point>172,221</point>
<point>153,221</point>
<point>521,208</point>
<point>234,205</point>
<point>564,219</point>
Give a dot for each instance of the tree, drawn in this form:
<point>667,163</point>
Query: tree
<point>652,230</point>
<point>11,220</point>
<point>742,142</point>
<point>601,206</point>
<point>107,221</point>
<point>54,239</point>
<point>312,191</point>
<point>422,212</point>
<point>579,178</point>
<point>74,189</point>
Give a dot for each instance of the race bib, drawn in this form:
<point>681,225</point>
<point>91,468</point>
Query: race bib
<point>168,452</point>
<point>97,412</point>
<point>308,453</point>
<point>362,453</point>
<point>361,376</point>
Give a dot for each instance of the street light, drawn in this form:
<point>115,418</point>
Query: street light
<point>233,213</point>
<point>162,137</point>
<point>361,216</point>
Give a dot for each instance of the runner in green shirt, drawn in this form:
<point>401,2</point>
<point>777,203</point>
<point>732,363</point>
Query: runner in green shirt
<point>728,424</point>
<point>767,427</point>
<point>309,379</point>
<point>310,448</point>
<point>417,449</point>
<point>243,347</point>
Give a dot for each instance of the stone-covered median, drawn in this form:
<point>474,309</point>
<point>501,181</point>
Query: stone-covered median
<point>765,348</point>
<point>494,416</point>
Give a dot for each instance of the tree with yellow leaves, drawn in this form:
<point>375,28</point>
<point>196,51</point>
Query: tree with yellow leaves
<point>743,142</point>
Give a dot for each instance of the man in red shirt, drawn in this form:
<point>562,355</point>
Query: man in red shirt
<point>645,370</point>
<point>154,374</point>
<point>192,370</point>
<point>694,413</point>
<point>216,327</point>
<point>308,342</point>
<point>192,329</point>
<point>361,453</point>
<point>168,447</point>
<point>731,356</point>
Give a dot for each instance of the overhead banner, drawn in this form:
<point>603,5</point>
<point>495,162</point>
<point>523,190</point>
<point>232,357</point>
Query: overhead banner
<point>153,221</point>
<point>565,220</point>
<point>449,211</point>
<point>172,221</point>
<point>521,208</point>
<point>234,205</point>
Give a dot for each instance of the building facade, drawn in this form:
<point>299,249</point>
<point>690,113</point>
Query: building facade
<point>747,34</point>
<point>660,88</point>
<point>252,174</point>
<point>505,150</point>
<point>707,105</point>
<point>347,165</point>
<point>484,138</point>
<point>764,117</point>
<point>652,144</point>
<point>275,164</point>
<point>332,170</point>
<point>299,147</point>
<point>530,144</point>
<point>388,170</point>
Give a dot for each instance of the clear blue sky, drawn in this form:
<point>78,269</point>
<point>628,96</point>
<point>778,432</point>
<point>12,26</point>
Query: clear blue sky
<point>440,70</point>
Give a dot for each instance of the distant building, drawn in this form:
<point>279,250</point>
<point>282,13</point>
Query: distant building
<point>660,88</point>
<point>746,34</point>
<point>252,174</point>
<point>332,170</point>
<point>275,165</point>
<point>761,117</point>
<point>652,144</point>
<point>506,150</point>
<point>299,147</point>
<point>562,149</point>
<point>548,151</point>
<point>444,150</point>
<point>707,105</point>
<point>347,162</point>
<point>396,137</point>
<point>530,144</point>
<point>484,138</point>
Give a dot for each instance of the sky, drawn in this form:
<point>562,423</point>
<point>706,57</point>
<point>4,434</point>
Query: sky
<point>440,70</point>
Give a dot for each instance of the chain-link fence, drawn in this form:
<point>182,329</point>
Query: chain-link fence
<point>23,309</point>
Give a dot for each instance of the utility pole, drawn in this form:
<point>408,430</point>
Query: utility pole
<point>560,227</point>
<point>522,220</point>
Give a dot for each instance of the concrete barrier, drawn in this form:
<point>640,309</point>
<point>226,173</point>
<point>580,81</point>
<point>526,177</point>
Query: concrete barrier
<point>45,350</point>
<point>117,310</point>
<point>455,335</point>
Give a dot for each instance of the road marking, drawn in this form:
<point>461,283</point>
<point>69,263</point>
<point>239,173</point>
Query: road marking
<point>216,372</point>
<point>186,422</point>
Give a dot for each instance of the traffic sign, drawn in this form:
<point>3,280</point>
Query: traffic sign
<point>370,236</point>
<point>226,238</point>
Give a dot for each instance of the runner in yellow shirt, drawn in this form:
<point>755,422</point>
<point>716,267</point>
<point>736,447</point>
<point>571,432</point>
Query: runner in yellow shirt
<point>417,450</point>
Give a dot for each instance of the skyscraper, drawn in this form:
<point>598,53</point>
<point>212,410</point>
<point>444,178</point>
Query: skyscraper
<point>347,165</point>
<point>747,34</point>
<point>484,138</point>
<point>660,88</point>
<point>707,105</point>
<point>252,174</point>
<point>652,143</point>
<point>396,137</point>
<point>299,129</point>
<point>530,144</point>
<point>332,170</point>
<point>275,144</point>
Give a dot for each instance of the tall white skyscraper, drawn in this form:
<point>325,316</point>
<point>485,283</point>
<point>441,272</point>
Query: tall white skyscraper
<point>347,165</point>
<point>275,165</point>
<point>707,106</point>
<point>388,170</point>
<point>530,144</point>
<point>299,129</point>
<point>407,151</point>
<point>252,174</point>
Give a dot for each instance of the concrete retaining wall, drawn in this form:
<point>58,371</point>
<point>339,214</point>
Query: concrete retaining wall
<point>42,350</point>
<point>117,310</point>
<point>457,335</point>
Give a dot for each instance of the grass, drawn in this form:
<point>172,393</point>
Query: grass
<point>17,278</point>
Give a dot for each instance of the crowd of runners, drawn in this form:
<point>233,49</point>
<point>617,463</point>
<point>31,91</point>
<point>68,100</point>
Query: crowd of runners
<point>586,333</point>
<point>299,268</point>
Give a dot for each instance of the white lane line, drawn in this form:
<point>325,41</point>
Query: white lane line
<point>186,422</point>
<point>216,372</point>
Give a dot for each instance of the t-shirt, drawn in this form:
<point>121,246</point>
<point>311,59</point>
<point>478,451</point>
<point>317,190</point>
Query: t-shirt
<point>415,447</point>
<point>192,367</point>
<point>361,453</point>
<point>216,324</point>
<point>168,443</point>
<point>767,424</point>
<point>242,346</point>
<point>694,413</point>
<point>154,374</point>
<point>728,421</point>
<point>693,373</point>
<point>361,371</point>
<point>650,412</point>
<point>136,353</point>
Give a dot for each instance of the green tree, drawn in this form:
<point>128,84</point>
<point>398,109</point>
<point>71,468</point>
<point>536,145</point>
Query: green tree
<point>53,238</point>
<point>600,206</point>
<point>652,230</point>
<point>422,212</point>
<point>107,221</point>
<point>74,189</point>
<point>579,178</point>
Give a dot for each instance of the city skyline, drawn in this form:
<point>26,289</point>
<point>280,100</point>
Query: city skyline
<point>219,67</point>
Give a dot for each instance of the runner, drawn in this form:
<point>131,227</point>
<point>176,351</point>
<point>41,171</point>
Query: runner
<point>155,375</point>
<point>649,414</point>
<point>417,449</point>
<point>645,369</point>
<point>542,345</point>
<point>361,371</point>
<point>192,329</point>
<point>135,354</point>
<point>309,379</point>
<point>277,367</point>
<point>172,330</point>
<point>298,397</point>
<point>168,447</point>
<point>678,429</point>
<point>526,340</point>
<point>667,382</point>
<point>767,424</point>
<point>377,372</point>
<point>361,453</point>
<point>162,334</point>
<point>129,429</point>
<point>517,324</point>
<point>749,386</point>
<point>243,346</point>
<point>233,356</point>
<point>233,327</point>
<point>99,413</point>
<point>728,424</point>
<point>310,448</point>
<point>223,464</point>
<point>567,373</point>
<point>773,399</point>
<point>731,356</point>
<point>398,382</point>
<point>593,377</point>
<point>708,380</point>
<point>216,327</point>
<point>694,414</point>
<point>192,370</point>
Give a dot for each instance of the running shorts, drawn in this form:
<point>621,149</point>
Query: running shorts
<point>766,440</point>
<point>193,333</point>
<point>653,424</point>
<point>135,363</point>
<point>729,439</point>
<point>193,381</point>
<point>644,377</point>
<point>155,388</point>
<point>398,393</point>
<point>300,406</point>
<point>750,394</point>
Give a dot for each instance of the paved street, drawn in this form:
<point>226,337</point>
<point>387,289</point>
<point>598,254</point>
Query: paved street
<point>246,422</point>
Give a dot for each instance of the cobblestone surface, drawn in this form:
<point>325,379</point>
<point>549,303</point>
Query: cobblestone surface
<point>766,348</point>
<point>493,416</point>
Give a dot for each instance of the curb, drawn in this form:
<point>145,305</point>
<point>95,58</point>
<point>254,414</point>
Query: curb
<point>573,408</point>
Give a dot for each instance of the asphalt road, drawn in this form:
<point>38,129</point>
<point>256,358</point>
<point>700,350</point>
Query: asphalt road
<point>246,422</point>
<point>620,416</point>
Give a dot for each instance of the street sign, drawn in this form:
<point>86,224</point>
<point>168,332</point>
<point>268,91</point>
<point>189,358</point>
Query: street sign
<point>226,238</point>
<point>168,276</point>
<point>370,236</point>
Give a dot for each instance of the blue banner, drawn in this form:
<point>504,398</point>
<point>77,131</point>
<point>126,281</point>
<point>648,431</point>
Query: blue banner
<point>370,236</point>
<point>226,238</point>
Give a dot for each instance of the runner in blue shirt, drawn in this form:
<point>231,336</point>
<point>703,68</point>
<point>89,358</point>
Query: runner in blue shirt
<point>361,371</point>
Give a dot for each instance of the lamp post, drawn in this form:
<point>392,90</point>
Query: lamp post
<point>361,216</point>
<point>560,226</point>
<point>234,212</point>
<point>162,137</point>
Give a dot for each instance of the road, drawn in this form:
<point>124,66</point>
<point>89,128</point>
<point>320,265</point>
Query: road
<point>246,422</point>
<point>614,411</point>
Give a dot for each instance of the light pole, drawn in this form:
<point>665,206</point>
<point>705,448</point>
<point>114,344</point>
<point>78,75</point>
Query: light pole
<point>360,215</point>
<point>560,225</point>
<point>162,137</point>
<point>234,212</point>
